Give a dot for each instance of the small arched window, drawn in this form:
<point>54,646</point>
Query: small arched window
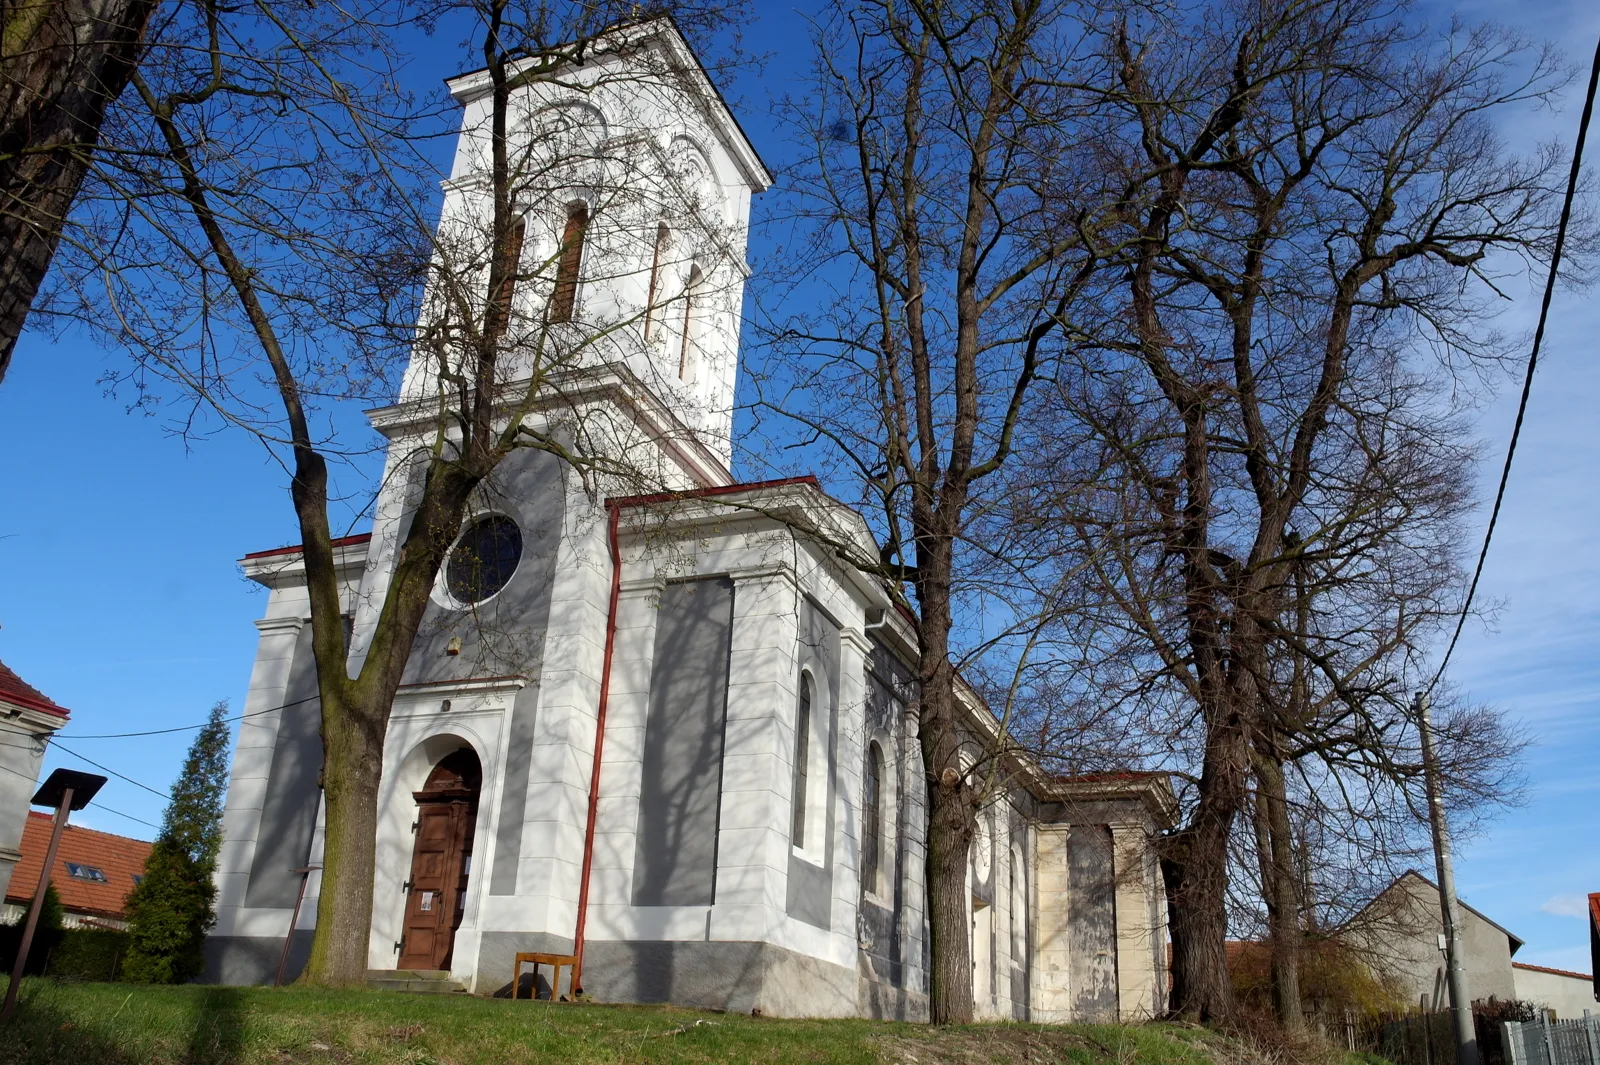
<point>872,818</point>
<point>569,263</point>
<point>691,309</point>
<point>652,313</point>
<point>802,748</point>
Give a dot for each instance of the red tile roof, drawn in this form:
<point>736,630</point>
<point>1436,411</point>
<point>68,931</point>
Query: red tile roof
<point>118,857</point>
<point>13,689</point>
<point>294,549</point>
<point>1552,972</point>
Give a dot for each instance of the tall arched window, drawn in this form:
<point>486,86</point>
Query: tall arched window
<point>802,748</point>
<point>872,818</point>
<point>691,301</point>
<point>1019,910</point>
<point>570,262</point>
<point>652,313</point>
<point>499,312</point>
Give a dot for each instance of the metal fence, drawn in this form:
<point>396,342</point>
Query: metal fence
<point>1547,1042</point>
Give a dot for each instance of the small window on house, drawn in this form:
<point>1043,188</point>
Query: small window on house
<point>691,308</point>
<point>499,313</point>
<point>872,819</point>
<point>86,872</point>
<point>652,313</point>
<point>138,878</point>
<point>802,747</point>
<point>569,264</point>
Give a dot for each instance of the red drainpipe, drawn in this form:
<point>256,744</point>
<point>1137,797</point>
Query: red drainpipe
<point>599,744</point>
<point>614,508</point>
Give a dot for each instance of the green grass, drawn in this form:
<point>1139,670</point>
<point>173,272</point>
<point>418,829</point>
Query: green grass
<point>120,1024</point>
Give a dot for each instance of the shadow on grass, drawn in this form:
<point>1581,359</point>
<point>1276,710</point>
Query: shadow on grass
<point>218,1032</point>
<point>44,1033</point>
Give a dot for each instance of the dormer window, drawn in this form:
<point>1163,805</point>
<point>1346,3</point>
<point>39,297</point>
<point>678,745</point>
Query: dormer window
<point>499,313</point>
<point>657,261</point>
<point>569,263</point>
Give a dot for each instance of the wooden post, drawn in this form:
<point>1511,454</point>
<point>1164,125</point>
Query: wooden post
<point>38,904</point>
<point>1594,1043</point>
<point>1549,1047</point>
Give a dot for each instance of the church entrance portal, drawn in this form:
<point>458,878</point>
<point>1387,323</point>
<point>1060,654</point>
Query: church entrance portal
<point>441,860</point>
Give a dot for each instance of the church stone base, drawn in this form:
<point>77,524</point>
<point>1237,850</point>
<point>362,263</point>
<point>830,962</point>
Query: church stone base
<point>885,1002</point>
<point>243,961</point>
<point>738,977</point>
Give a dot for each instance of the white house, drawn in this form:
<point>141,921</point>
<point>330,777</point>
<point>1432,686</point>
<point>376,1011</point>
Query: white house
<point>668,730</point>
<point>28,718</point>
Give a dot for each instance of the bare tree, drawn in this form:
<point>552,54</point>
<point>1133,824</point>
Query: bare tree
<point>945,195</point>
<point>62,63</point>
<point>262,237</point>
<point>1316,214</point>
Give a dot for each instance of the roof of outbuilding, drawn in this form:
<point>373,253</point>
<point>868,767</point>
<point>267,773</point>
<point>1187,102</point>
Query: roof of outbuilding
<point>119,858</point>
<point>13,689</point>
<point>1552,972</point>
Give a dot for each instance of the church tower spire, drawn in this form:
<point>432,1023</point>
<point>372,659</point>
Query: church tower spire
<point>630,182</point>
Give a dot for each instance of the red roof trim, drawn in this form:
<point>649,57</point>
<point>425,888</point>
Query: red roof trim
<point>13,689</point>
<point>1552,972</point>
<point>295,549</point>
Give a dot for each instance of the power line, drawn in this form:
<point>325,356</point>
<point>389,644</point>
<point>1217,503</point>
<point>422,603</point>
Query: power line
<point>186,728</point>
<point>1533,361</point>
<point>96,805</point>
<point>113,772</point>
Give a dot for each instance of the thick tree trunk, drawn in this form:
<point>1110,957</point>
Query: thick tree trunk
<point>61,65</point>
<point>950,826</point>
<point>951,814</point>
<point>1196,862</point>
<point>1280,890</point>
<point>352,772</point>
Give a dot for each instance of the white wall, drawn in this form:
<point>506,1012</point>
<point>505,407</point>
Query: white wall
<point>1569,994</point>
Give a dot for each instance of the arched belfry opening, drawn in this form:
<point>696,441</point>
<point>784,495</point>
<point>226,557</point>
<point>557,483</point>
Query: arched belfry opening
<point>441,860</point>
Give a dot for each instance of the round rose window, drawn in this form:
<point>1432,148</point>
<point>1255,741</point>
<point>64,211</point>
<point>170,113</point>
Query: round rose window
<point>484,559</point>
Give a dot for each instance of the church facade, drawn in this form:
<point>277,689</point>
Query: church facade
<point>670,731</point>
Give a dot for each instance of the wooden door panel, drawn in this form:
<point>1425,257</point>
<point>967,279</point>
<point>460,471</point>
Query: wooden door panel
<point>430,905</point>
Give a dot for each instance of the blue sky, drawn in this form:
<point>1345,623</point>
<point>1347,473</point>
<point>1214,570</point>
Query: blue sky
<point>122,598</point>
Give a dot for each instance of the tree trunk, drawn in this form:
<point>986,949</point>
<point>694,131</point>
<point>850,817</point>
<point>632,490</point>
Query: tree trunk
<point>950,826</point>
<point>951,815</point>
<point>352,772</point>
<point>1280,891</point>
<point>1197,888</point>
<point>61,65</point>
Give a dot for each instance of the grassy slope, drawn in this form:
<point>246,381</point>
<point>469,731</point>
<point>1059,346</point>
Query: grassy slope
<point>115,1024</point>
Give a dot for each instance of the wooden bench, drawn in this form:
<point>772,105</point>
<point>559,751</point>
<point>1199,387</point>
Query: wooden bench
<point>555,961</point>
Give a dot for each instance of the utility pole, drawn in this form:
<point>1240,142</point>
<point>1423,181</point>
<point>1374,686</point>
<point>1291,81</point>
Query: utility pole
<point>67,790</point>
<point>1460,1003</point>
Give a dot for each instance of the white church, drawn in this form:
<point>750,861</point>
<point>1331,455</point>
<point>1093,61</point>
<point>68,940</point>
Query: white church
<point>668,732</point>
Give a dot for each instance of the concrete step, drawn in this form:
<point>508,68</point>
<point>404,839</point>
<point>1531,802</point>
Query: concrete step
<point>415,981</point>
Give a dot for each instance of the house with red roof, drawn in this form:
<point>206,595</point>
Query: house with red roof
<point>28,718</point>
<point>93,873</point>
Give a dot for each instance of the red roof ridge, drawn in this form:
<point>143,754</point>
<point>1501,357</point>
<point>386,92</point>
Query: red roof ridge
<point>91,831</point>
<point>13,689</point>
<point>1553,972</point>
<point>338,541</point>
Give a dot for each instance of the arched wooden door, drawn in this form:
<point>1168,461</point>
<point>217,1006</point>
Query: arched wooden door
<point>441,860</point>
